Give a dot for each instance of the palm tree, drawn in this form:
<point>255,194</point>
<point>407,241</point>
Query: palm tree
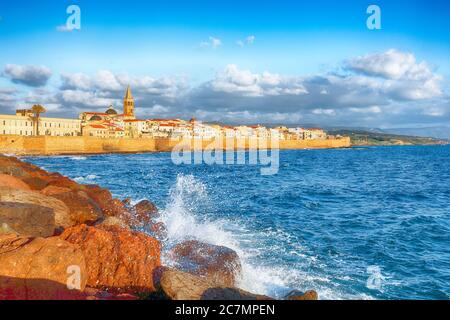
<point>37,109</point>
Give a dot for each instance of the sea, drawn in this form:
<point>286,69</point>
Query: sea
<point>357,223</point>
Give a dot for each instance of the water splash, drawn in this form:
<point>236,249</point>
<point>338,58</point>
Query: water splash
<point>184,221</point>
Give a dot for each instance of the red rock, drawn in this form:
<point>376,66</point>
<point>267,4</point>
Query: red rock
<point>52,190</point>
<point>28,219</point>
<point>159,230</point>
<point>113,221</point>
<point>297,295</point>
<point>37,268</point>
<point>177,285</point>
<point>117,259</point>
<point>64,182</point>
<point>82,209</point>
<point>36,183</point>
<point>61,211</point>
<point>95,294</point>
<point>110,207</point>
<point>12,182</point>
<point>143,213</point>
<point>218,264</point>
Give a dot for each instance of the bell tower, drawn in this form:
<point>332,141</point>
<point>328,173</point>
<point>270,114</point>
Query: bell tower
<point>128,105</point>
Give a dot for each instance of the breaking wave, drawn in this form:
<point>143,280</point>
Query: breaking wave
<point>186,219</point>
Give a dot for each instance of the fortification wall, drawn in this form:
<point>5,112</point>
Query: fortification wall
<point>45,145</point>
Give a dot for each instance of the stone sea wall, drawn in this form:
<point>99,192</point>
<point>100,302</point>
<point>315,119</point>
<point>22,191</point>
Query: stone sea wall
<point>44,145</point>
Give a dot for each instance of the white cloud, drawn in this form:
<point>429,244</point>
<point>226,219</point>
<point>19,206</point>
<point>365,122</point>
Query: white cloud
<point>33,76</point>
<point>326,112</point>
<point>391,64</point>
<point>247,41</point>
<point>235,80</point>
<point>211,43</point>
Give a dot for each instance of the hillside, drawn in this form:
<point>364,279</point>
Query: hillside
<point>371,138</point>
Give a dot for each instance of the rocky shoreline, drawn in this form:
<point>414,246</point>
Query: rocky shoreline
<point>60,240</point>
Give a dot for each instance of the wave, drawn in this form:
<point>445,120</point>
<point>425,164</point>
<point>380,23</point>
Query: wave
<point>86,179</point>
<point>260,274</point>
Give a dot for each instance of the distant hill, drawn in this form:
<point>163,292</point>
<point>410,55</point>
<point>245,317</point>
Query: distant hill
<point>434,132</point>
<point>376,138</point>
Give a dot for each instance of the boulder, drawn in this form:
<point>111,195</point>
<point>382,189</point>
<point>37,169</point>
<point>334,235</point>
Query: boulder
<point>110,207</point>
<point>178,285</point>
<point>52,191</point>
<point>143,213</point>
<point>117,259</point>
<point>159,230</point>
<point>12,166</point>
<point>82,209</point>
<point>28,219</point>
<point>36,183</point>
<point>61,211</point>
<point>298,295</point>
<point>12,182</point>
<point>114,221</point>
<point>39,269</point>
<point>216,263</point>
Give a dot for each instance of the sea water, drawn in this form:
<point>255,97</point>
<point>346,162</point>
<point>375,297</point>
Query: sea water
<point>360,223</point>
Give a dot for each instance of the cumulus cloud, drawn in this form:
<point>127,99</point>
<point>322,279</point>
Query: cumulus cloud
<point>33,76</point>
<point>379,94</point>
<point>246,83</point>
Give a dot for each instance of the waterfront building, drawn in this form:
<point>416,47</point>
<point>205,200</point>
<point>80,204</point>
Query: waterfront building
<point>23,123</point>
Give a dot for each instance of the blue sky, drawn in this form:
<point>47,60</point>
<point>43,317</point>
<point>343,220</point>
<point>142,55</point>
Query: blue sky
<point>203,53</point>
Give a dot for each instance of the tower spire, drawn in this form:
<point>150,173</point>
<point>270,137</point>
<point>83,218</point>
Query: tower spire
<point>128,104</point>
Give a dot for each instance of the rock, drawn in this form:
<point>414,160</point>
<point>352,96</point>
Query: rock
<point>6,229</point>
<point>110,207</point>
<point>52,190</point>
<point>143,213</point>
<point>37,269</point>
<point>114,221</point>
<point>82,209</point>
<point>61,211</point>
<point>63,182</point>
<point>28,219</point>
<point>298,295</point>
<point>12,166</point>
<point>12,182</point>
<point>36,183</point>
<point>116,258</point>
<point>126,202</point>
<point>178,285</point>
<point>95,294</point>
<point>159,230</point>
<point>218,264</point>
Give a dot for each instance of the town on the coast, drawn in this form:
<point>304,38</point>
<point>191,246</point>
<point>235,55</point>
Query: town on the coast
<point>113,124</point>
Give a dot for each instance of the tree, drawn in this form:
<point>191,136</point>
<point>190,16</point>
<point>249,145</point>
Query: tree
<point>37,109</point>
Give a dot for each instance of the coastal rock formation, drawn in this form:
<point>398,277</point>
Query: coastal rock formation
<point>12,182</point>
<point>298,295</point>
<point>117,259</point>
<point>144,212</point>
<point>82,209</point>
<point>52,191</point>
<point>61,211</point>
<point>113,221</point>
<point>28,219</point>
<point>37,268</point>
<point>178,285</point>
<point>218,264</point>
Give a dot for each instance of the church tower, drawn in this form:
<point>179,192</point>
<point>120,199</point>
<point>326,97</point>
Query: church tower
<point>128,105</point>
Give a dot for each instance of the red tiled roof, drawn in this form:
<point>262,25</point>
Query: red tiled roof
<point>97,126</point>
